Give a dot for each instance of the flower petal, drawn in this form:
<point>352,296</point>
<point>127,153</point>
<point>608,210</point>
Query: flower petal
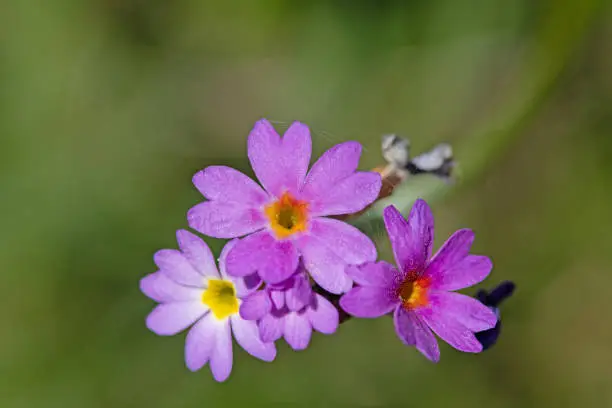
<point>413,332</point>
<point>468,311</point>
<point>299,295</point>
<point>411,239</point>
<point>369,301</point>
<point>200,342</point>
<point>452,267</point>
<point>221,359</point>
<point>278,298</point>
<point>175,266</point>
<point>246,334</point>
<point>225,220</point>
<point>279,164</point>
<point>380,274</point>
<point>273,260</point>
<point>323,316</point>
<point>297,331</point>
<point>244,285</point>
<point>271,328</point>
<point>168,319</point>
<point>350,195</point>
<point>162,289</point>
<point>350,244</point>
<point>334,165</point>
<point>228,185</point>
<point>255,306</point>
<point>449,329</point>
<point>325,267</point>
<point>197,253</point>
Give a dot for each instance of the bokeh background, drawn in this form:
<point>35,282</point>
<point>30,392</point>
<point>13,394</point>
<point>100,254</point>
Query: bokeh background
<point>108,107</point>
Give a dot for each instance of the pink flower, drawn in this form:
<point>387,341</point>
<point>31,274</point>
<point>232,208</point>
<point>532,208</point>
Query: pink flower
<point>286,219</point>
<point>418,292</point>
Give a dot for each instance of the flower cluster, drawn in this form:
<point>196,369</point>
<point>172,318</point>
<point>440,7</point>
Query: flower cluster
<point>286,238</point>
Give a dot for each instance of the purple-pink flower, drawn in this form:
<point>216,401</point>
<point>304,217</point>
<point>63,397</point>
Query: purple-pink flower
<point>191,291</point>
<point>291,310</point>
<point>419,290</point>
<point>286,219</point>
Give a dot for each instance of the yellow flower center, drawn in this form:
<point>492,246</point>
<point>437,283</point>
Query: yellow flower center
<point>220,297</point>
<point>287,215</point>
<point>413,292</point>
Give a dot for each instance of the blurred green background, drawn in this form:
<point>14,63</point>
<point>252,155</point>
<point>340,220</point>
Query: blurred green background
<point>108,107</point>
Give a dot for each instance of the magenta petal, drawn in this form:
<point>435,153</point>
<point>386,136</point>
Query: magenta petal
<point>271,328</point>
<point>197,253</point>
<point>413,332</point>
<point>255,306</point>
<point>200,342</point>
<point>247,336</point>
<point>469,271</point>
<point>350,244</point>
<point>243,285</point>
<point>222,358</point>
<point>466,310</point>
<point>369,301</point>
<point>297,331</point>
<point>324,265</point>
<point>227,185</point>
<point>348,196</point>
<point>219,219</point>
<point>380,274</point>
<point>273,260</point>
<point>334,165</point>
<point>299,295</point>
<point>162,289</point>
<point>323,316</point>
<point>168,319</point>
<point>175,266</point>
<point>449,329</point>
<point>411,239</point>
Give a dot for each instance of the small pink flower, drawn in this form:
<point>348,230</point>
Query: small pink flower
<point>286,219</point>
<point>419,290</point>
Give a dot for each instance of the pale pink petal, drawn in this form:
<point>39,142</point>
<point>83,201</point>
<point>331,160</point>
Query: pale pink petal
<point>369,301</point>
<point>244,285</point>
<point>279,164</point>
<point>197,253</point>
<point>411,239</point>
<point>273,260</point>
<point>200,342</point>
<point>381,274</point>
<point>350,244</point>
<point>175,266</point>
<point>255,306</point>
<point>449,329</point>
<point>334,165</point>
<point>349,195</point>
<point>225,220</point>
<point>323,316</point>
<point>228,185</point>
<point>299,295</point>
<point>324,265</point>
<point>271,328</point>
<point>162,289</point>
<point>466,310</point>
<point>221,359</point>
<point>413,332</point>
<point>168,319</point>
<point>246,334</point>
<point>278,298</point>
<point>297,331</point>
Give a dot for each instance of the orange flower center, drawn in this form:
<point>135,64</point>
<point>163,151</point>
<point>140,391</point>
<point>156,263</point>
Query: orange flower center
<point>413,292</point>
<point>287,215</point>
